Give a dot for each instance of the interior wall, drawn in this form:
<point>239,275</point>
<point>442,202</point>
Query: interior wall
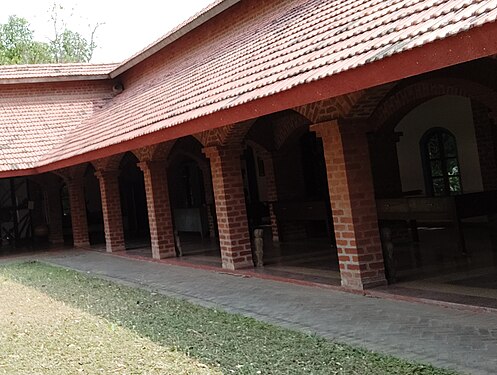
<point>261,174</point>
<point>453,113</point>
<point>289,174</point>
<point>92,195</point>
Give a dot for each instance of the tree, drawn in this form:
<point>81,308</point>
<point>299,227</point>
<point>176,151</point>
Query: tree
<point>71,47</point>
<point>17,44</point>
<point>67,45</point>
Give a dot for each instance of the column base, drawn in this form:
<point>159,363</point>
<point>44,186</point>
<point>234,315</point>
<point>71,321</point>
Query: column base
<point>81,244</point>
<point>115,249</point>
<point>163,255</point>
<point>358,284</point>
<point>241,265</point>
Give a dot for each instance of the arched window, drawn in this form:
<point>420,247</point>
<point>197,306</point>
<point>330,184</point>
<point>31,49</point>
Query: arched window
<point>441,166</point>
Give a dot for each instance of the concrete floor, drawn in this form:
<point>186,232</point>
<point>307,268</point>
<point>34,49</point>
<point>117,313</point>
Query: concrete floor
<point>431,269</point>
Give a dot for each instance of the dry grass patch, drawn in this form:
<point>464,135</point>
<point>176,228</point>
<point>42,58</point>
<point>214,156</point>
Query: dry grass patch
<point>39,335</point>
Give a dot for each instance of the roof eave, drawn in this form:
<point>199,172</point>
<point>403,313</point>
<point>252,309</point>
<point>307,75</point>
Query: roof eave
<point>171,38</point>
<point>75,78</point>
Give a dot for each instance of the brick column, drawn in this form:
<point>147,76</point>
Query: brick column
<point>111,209</point>
<point>353,204</point>
<point>159,209</point>
<point>231,212</point>
<point>79,219</point>
<point>54,210</point>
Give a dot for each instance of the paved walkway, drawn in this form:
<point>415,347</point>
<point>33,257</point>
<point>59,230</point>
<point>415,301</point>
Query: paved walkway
<point>460,340</point>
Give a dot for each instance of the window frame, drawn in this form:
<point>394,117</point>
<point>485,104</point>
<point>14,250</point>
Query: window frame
<point>443,158</point>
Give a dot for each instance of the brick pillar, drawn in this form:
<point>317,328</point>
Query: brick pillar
<point>159,209</point>
<point>54,210</point>
<point>272,195</point>
<point>79,220</point>
<point>353,204</point>
<point>231,212</point>
<point>111,209</point>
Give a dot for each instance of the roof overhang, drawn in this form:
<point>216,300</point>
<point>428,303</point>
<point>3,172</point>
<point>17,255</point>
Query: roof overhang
<point>470,45</point>
<point>65,78</point>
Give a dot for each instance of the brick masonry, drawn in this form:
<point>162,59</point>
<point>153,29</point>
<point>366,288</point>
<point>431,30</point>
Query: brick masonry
<point>353,204</point>
<point>159,209</point>
<point>231,212</point>
<point>327,109</point>
<point>111,210</point>
<point>403,99</point>
<point>78,212</point>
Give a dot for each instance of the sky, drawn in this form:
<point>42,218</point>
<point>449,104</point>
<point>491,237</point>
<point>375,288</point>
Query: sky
<point>126,26</point>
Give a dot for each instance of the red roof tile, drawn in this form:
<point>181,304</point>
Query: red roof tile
<point>307,41</point>
<point>31,125</point>
<point>302,41</point>
<point>48,72</point>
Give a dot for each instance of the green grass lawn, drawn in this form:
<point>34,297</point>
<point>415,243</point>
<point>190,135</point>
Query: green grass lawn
<point>56,321</point>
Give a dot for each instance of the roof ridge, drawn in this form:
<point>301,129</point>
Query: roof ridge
<point>204,15</point>
<point>36,73</point>
<point>71,64</point>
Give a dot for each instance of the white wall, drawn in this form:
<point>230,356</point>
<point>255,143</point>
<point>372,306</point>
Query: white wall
<point>453,113</point>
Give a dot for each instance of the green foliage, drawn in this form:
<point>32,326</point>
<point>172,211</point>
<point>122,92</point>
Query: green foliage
<point>17,45</point>
<point>71,47</point>
<point>232,343</point>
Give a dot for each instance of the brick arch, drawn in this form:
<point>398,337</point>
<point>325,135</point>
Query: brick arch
<point>158,152</point>
<point>199,137</point>
<point>185,145</point>
<point>182,149</point>
<point>400,102</point>
<point>110,163</point>
<point>225,135</point>
<point>62,173</point>
<point>203,163</point>
<point>366,104</point>
<point>71,173</point>
<point>289,128</point>
<point>330,109</point>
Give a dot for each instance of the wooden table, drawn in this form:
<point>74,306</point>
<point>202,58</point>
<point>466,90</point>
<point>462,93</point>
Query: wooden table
<point>438,211</point>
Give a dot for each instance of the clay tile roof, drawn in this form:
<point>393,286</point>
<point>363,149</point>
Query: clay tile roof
<point>299,41</point>
<point>302,41</point>
<point>31,125</point>
<point>53,72</point>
